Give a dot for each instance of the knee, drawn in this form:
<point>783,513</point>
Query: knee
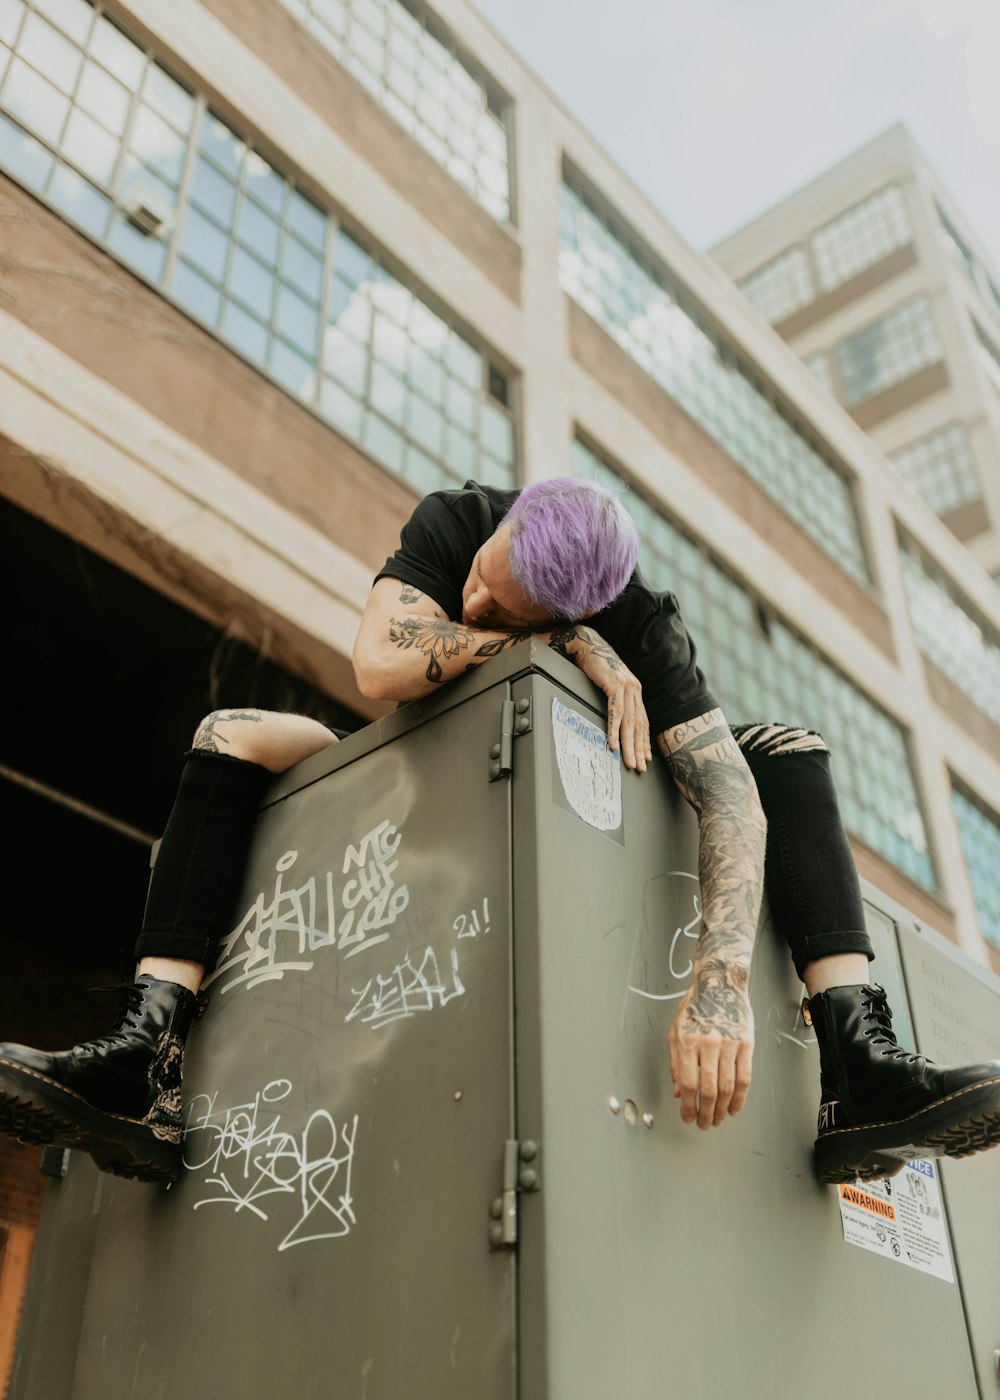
<point>776,740</point>
<point>237,733</point>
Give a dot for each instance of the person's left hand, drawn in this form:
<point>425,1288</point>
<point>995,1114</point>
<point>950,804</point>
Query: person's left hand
<point>711,1044</point>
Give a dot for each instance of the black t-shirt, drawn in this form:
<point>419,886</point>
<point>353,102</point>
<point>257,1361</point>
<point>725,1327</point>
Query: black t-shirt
<point>448,528</point>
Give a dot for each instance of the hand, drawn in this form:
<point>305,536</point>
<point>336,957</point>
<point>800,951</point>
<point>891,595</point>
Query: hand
<point>711,1044</point>
<point>628,724</point>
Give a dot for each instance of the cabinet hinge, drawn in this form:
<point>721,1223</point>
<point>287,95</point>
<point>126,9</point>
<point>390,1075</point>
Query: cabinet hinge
<point>520,1175</point>
<point>515,720</point>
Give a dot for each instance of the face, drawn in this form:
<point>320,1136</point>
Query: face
<point>491,599</point>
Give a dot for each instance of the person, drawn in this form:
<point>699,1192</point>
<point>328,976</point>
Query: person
<point>478,570</point>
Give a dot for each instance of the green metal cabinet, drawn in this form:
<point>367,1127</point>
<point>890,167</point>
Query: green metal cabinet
<point>432,1152</point>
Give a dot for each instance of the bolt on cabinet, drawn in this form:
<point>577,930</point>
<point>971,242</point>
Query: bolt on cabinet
<point>432,1151</point>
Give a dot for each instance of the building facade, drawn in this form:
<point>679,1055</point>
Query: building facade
<point>873,275</point>
<point>272,270</point>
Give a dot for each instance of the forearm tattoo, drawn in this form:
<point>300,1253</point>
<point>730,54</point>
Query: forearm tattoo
<point>208,740</point>
<point>585,636</point>
<point>712,774</point>
<point>440,640</point>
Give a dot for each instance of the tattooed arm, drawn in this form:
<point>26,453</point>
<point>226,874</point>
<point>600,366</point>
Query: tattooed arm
<point>406,645</point>
<point>711,1039</point>
<point>628,725</point>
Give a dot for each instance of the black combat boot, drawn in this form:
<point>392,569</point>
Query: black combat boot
<point>882,1106</point>
<point>119,1097</point>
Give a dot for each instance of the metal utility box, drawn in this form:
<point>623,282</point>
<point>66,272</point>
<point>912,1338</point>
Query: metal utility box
<point>432,1151</point>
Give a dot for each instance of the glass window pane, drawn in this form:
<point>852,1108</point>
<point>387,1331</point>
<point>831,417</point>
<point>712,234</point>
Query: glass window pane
<point>223,145</point>
<point>90,147</point>
<point>245,332</point>
<point>342,409</point>
<point>29,162</point>
<point>257,230</point>
<point>302,268</point>
<point>388,393</point>
<point>35,102</point>
<point>50,53</point>
<point>345,360</point>
<point>195,294</point>
<point>352,264</point>
<point>74,17</point>
<point>140,186</point>
<point>291,369</point>
<point>464,361</point>
<point>205,245</point>
<point>383,442</point>
<point>308,222</point>
<point>213,191</point>
<point>157,144</point>
<point>79,201</point>
<point>103,97</point>
<point>265,184</point>
<point>252,283</point>
<point>168,98</point>
<point>118,54</point>
<point>297,319</point>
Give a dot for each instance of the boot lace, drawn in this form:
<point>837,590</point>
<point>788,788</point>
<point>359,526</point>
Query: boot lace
<point>129,996</point>
<point>880,1032</point>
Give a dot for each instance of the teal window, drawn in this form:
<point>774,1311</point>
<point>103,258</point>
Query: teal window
<point>950,632</point>
<point>762,670</point>
<point>989,357</point>
<point>940,469</point>
<point>980,836</point>
<point>621,290</point>
<point>781,286</point>
<point>861,236</point>
<point>889,349</point>
<point>107,136</point>
<point>412,68</point>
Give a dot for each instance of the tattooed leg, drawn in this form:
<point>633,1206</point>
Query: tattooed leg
<point>207,737</point>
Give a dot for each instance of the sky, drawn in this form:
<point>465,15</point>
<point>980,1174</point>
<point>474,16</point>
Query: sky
<point>716,109</point>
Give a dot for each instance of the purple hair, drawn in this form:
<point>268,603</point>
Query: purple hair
<point>573,545</point>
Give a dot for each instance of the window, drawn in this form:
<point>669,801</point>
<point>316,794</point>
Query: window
<point>781,286</point>
<point>620,288</point>
<point>951,633</point>
<point>413,70</point>
<point>988,356</point>
<point>980,836</point>
<point>818,366</point>
<point>889,350</point>
<point>761,670</point>
<point>110,138</point>
<point>955,247</point>
<point>861,237</point>
<point>940,469</point>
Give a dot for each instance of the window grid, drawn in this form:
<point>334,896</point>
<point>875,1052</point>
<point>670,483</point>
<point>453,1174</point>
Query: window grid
<point>861,236</point>
<point>951,633</point>
<point>940,469</point>
<point>625,296</point>
<point>988,356</point>
<point>818,366</point>
<point>955,247</point>
<point>781,286</point>
<point>415,73</point>
<point>176,194</point>
<point>766,672</point>
<point>888,350</point>
<point>980,837</point>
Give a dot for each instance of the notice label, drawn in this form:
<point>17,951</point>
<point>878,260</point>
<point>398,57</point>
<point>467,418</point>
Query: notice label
<point>590,772</point>
<point>900,1217</point>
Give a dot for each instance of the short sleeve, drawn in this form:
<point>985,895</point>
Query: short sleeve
<point>648,632</point>
<point>436,549</point>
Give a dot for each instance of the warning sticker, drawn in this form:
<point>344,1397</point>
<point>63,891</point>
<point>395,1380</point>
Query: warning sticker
<point>900,1217</point>
<point>590,772</point>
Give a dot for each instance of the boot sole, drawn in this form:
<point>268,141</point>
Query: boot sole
<point>958,1126</point>
<point>40,1111</point>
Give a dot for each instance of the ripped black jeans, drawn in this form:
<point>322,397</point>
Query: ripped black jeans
<point>811,883</point>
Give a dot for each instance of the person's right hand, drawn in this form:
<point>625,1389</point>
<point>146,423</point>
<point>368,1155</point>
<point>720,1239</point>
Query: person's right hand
<point>628,723</point>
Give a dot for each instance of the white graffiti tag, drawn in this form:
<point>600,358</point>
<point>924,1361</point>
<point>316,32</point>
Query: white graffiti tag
<point>280,930</point>
<point>407,990</point>
<point>248,1157</point>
